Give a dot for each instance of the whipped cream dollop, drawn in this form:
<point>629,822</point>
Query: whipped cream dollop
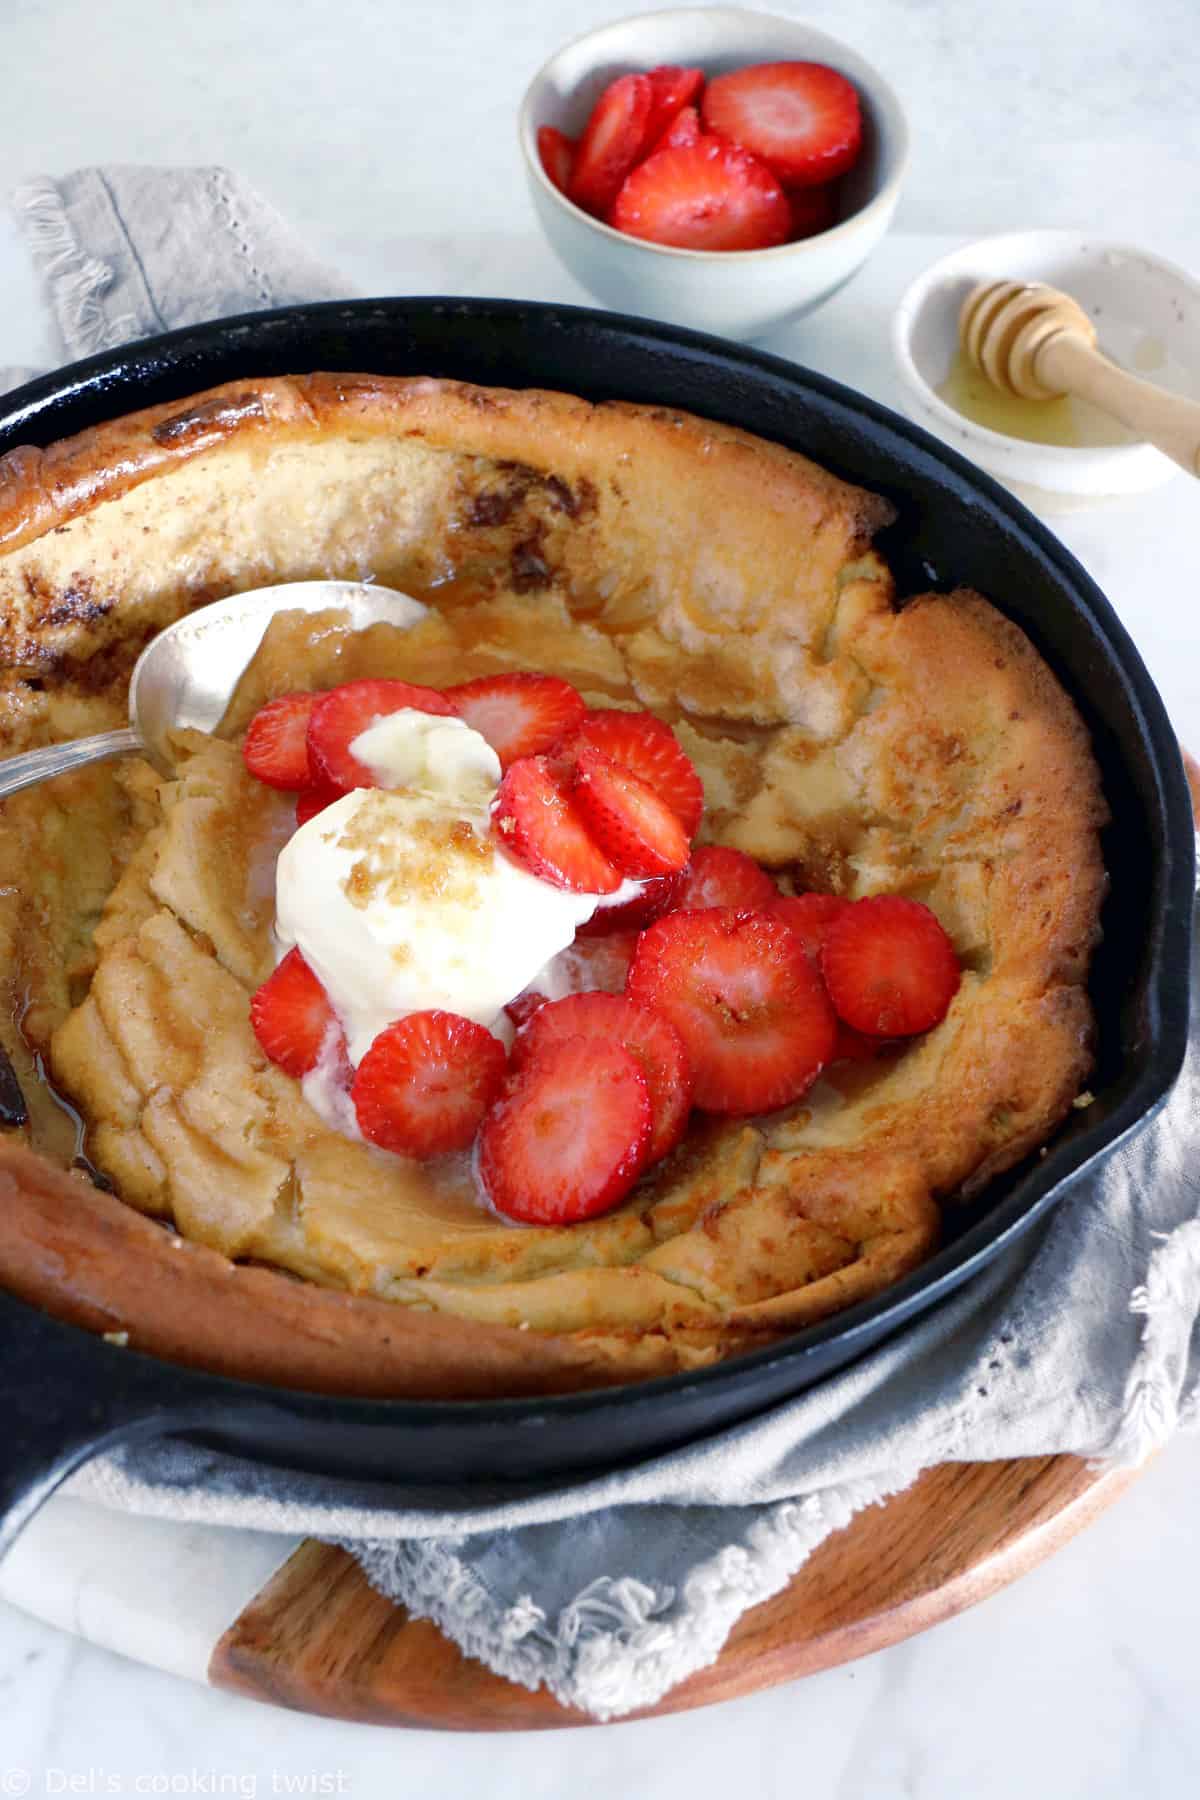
<point>400,898</point>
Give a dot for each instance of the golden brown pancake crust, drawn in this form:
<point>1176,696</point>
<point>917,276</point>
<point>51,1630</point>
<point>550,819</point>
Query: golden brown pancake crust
<point>654,559</point>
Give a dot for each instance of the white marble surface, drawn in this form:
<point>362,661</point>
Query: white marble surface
<point>385,132</point>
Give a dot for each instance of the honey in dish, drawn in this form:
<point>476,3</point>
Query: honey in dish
<point>1067,420</point>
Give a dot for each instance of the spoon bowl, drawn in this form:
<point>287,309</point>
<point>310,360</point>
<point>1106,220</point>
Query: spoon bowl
<point>186,675</point>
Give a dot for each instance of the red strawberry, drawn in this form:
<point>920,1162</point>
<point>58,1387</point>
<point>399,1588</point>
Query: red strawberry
<point>275,748</point>
<point>569,1136</point>
<point>313,801</point>
<point>644,744</point>
<point>426,1082</point>
<point>613,139</point>
<point>539,825</point>
<point>683,131</point>
<point>809,916</point>
<point>340,715</point>
<point>648,1036</point>
<point>557,152</point>
<point>671,89</point>
<point>656,897</point>
<point>717,876</point>
<point>890,969</point>
<point>802,118</point>
<point>855,1046</point>
<point>519,715</point>
<point>710,195</point>
<point>633,827</point>
<point>522,1009</point>
<point>601,964</point>
<point>290,1016</point>
<point>813,210</point>
<point>755,1020</point>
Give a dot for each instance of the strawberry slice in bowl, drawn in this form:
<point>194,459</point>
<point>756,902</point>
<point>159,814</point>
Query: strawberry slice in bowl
<point>558,153</point>
<point>756,1022</point>
<point>569,1136</point>
<point>802,118</point>
<point>683,132</point>
<point>709,195</point>
<point>672,89</point>
<point>814,210</point>
<point>613,139</point>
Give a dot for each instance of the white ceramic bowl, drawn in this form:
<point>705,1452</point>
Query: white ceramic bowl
<point>1147,316</point>
<point>737,292</point>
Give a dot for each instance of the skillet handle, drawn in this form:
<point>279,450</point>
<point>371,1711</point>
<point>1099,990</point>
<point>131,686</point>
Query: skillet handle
<point>64,1395</point>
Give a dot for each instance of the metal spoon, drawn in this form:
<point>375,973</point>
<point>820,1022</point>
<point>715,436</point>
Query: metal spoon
<point>187,674</point>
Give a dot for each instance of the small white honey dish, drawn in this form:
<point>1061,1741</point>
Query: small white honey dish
<point>1146,313</point>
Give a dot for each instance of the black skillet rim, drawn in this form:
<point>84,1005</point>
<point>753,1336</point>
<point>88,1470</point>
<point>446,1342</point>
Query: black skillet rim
<point>1165,987</point>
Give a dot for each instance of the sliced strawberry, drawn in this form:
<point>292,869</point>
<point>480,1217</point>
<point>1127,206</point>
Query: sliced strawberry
<point>890,969</point>
<point>290,1015</point>
<point>539,825</point>
<point>275,748</point>
<point>426,1082</point>
<point>683,130</point>
<point>755,1020</point>
<point>313,801</point>
<point>717,876</point>
<point>613,139</point>
<point>649,1037</point>
<point>809,916</point>
<point>644,744</point>
<point>519,715</point>
<point>710,195</point>
<point>557,152</point>
<point>671,89</point>
<point>655,897</point>
<point>339,716</point>
<point>522,1009</point>
<point>813,210</point>
<point>569,1136</point>
<point>802,118</point>
<point>633,827</point>
<point>600,964</point>
<point>855,1046</point>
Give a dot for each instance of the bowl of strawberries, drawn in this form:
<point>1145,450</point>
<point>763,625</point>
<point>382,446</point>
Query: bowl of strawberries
<point>713,167</point>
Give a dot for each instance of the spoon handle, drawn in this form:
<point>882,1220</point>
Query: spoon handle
<point>1169,422</point>
<point>33,766</point>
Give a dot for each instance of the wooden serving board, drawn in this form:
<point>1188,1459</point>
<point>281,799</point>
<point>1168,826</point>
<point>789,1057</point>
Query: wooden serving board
<point>319,1639</point>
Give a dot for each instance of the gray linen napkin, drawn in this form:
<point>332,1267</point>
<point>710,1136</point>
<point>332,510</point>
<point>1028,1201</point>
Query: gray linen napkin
<point>610,1591</point>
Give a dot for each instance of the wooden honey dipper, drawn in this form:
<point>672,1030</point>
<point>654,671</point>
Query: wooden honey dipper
<point>1034,341</point>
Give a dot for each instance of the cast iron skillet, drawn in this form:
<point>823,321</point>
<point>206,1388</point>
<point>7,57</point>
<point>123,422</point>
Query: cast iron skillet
<point>66,1393</point>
